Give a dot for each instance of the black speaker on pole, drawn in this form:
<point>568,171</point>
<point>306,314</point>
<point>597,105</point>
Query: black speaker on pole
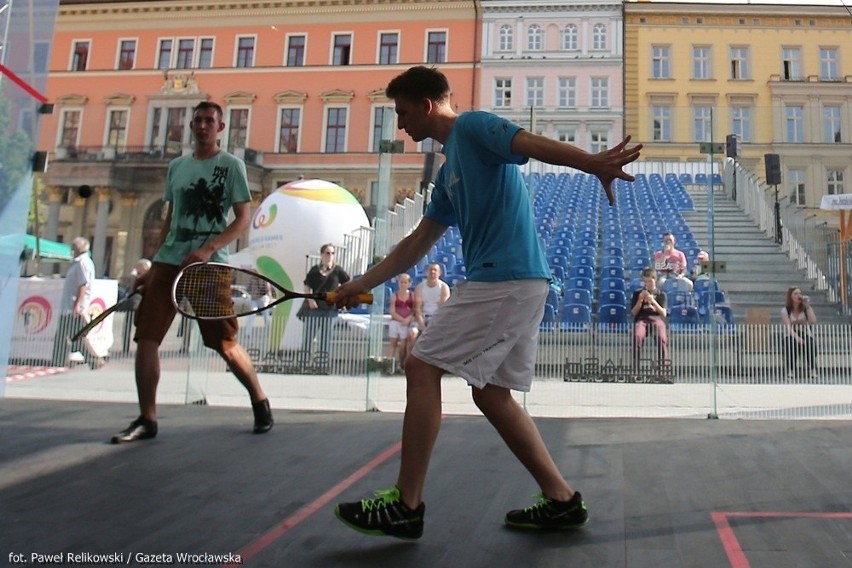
<point>430,169</point>
<point>773,168</point>
<point>732,146</point>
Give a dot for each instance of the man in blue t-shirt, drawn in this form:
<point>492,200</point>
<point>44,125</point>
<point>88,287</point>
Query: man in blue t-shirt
<point>487,333</point>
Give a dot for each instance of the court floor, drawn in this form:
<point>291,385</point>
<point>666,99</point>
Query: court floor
<point>661,492</point>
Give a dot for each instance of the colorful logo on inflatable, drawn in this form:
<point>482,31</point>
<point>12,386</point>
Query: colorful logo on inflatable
<point>36,313</point>
<point>264,217</point>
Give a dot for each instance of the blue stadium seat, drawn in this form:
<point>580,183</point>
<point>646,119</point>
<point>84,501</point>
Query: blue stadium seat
<point>579,282</point>
<point>613,272</point>
<point>548,320</point>
<point>613,298</point>
<point>583,271</point>
<point>683,318</point>
<point>575,317</point>
<point>612,284</point>
<point>579,296</point>
<point>612,318</point>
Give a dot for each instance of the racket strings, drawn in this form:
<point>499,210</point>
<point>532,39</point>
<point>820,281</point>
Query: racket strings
<point>205,291</point>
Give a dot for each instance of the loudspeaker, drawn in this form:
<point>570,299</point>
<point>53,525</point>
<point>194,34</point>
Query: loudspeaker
<point>84,191</point>
<point>40,162</point>
<point>430,169</point>
<point>772,163</point>
<point>732,146</point>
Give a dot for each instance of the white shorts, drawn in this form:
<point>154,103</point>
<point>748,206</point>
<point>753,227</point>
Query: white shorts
<point>487,333</point>
<point>398,330</point>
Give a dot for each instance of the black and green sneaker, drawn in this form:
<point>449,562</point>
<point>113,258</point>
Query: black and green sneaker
<point>550,515</point>
<point>386,514</point>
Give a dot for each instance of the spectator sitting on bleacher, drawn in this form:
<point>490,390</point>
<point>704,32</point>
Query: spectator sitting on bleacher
<point>648,306</point>
<point>670,262</point>
<point>697,271</point>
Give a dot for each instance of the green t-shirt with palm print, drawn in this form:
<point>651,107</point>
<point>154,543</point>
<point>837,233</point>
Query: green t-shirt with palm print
<point>201,193</point>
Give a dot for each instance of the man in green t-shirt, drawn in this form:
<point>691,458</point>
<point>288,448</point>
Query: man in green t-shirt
<point>201,188</point>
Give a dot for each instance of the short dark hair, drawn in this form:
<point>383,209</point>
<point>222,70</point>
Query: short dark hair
<point>649,272</point>
<point>417,83</point>
<point>204,105</point>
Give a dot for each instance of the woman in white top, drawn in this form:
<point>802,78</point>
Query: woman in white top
<point>796,316</point>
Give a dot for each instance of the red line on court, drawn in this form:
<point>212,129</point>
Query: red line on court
<point>281,528</point>
<point>24,372</point>
<point>731,543</point>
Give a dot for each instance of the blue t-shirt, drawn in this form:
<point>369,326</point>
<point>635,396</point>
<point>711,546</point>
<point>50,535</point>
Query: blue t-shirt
<point>480,188</point>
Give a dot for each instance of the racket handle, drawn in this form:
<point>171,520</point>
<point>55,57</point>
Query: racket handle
<point>364,298</point>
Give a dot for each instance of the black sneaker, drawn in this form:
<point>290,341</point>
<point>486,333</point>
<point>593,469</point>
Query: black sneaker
<point>262,416</point>
<point>139,429</point>
<point>384,515</point>
<point>549,514</point>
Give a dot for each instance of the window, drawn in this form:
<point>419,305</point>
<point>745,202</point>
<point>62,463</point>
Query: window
<point>796,186</point>
<point>660,55</point>
<point>70,133</point>
<point>535,91</point>
<point>741,122</point>
<point>506,42</point>
<point>661,123</point>
<point>379,125</point>
<point>342,47</point>
<point>117,131</point>
<point>569,38</point>
<point>739,63</point>
<point>567,92</point>
<point>599,37</point>
<point>795,119</point>
<point>567,134</point>
<point>436,47</point>
<point>598,141</point>
<point>335,130</point>
<point>238,128</point>
<point>288,139</point>
<point>834,182</point>
<point>600,92</point>
<point>80,56</point>
<point>126,54</point>
<point>791,64</point>
<point>296,51</point>
<point>535,38</point>
<point>502,93</point>
<point>702,66</point>
<point>388,48</point>
<point>185,53</point>
<point>832,124</point>
<point>164,59</point>
<point>176,128</point>
<point>205,53</point>
<point>828,67</point>
<point>702,123</point>
<point>245,52</point>
<point>169,129</point>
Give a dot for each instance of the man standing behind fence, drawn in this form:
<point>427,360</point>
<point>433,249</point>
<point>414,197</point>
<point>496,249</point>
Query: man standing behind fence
<point>74,308</point>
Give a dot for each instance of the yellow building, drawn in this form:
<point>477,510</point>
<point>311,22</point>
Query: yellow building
<point>778,76</point>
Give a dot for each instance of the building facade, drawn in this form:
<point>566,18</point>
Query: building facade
<point>777,76</point>
<point>302,85</point>
<point>555,68</point>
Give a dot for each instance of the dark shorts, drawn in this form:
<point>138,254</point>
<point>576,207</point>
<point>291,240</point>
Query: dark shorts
<point>155,313</point>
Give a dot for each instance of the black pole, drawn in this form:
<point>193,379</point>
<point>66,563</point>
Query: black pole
<point>778,237</point>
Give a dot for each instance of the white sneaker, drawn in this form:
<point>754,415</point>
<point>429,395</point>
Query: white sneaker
<point>76,357</point>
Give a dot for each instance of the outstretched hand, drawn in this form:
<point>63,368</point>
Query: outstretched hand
<point>609,165</point>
